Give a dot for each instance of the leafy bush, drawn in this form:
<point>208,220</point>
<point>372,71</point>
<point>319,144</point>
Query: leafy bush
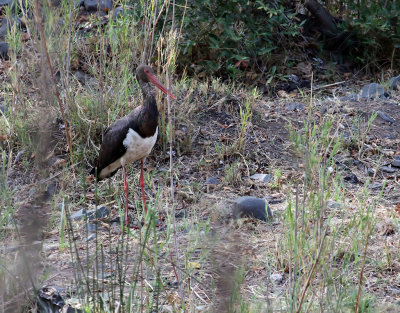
<point>375,28</point>
<point>224,37</point>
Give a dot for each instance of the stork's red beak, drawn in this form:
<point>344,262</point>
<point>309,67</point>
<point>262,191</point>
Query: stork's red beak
<point>160,86</point>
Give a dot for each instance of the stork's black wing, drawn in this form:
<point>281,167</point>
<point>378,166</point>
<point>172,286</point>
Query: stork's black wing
<point>112,147</point>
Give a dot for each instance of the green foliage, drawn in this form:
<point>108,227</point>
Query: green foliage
<point>376,27</point>
<point>221,35</point>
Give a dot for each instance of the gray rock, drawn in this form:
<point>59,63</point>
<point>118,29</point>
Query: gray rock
<point>6,24</point>
<point>396,163</point>
<point>92,214</point>
<point>375,185</point>
<point>274,200</point>
<point>4,28</point>
<point>54,3</point>
<point>295,106</point>
<point>91,237</point>
<point>180,213</point>
<point>394,290</point>
<point>51,247</point>
<point>371,172</point>
<point>385,117</point>
<point>277,278</point>
<point>90,5</point>
<point>3,107</point>
<point>84,78</point>
<point>251,207</point>
<point>331,204</point>
<point>91,227</point>
<point>5,2</point>
<point>78,215</point>
<point>387,169</point>
<point>106,5</point>
<point>4,50</point>
<point>118,12</point>
<point>94,227</point>
<point>395,83</point>
<point>94,5</point>
<point>101,212</point>
<point>351,97</point>
<point>262,177</point>
<point>373,91</point>
<point>212,181</point>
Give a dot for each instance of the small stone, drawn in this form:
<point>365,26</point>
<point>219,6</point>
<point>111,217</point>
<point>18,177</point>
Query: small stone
<point>7,23</point>
<point>90,5</point>
<point>106,5</point>
<point>180,213</point>
<point>387,169</point>
<point>373,91</point>
<point>330,204</point>
<point>351,97</point>
<point>91,237</point>
<point>4,50</point>
<point>385,117</point>
<point>251,207</point>
<point>277,278</point>
<point>396,163</point>
<point>295,106</point>
<point>395,83</point>
<point>118,12</point>
<point>262,177</point>
<point>60,206</point>
<point>70,309</point>
<point>91,227</point>
<point>78,215</point>
<point>274,199</point>
<point>83,78</point>
<point>394,290</point>
<point>371,172</point>
<point>51,247</point>
<point>94,227</point>
<point>352,178</point>
<point>375,185</point>
<point>3,107</point>
<point>94,5</point>
<point>212,181</point>
<point>5,2</point>
<point>101,212</point>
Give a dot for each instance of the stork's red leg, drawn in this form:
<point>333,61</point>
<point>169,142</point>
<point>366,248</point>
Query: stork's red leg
<point>126,197</point>
<point>142,185</point>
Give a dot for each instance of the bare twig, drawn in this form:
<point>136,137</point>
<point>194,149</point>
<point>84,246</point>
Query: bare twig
<point>311,272</point>
<point>44,46</point>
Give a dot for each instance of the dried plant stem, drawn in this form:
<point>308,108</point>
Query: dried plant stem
<point>173,190</point>
<point>44,46</point>
<point>362,272</point>
<point>311,272</point>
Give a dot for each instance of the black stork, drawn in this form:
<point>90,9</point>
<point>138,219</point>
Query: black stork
<point>132,137</point>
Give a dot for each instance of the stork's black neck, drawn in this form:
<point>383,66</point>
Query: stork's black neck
<point>149,113</point>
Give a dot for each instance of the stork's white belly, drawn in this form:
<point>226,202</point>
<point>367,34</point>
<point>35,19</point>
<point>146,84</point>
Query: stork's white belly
<point>137,147</point>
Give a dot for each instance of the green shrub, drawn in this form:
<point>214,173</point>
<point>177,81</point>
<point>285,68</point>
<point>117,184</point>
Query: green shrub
<point>224,37</point>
